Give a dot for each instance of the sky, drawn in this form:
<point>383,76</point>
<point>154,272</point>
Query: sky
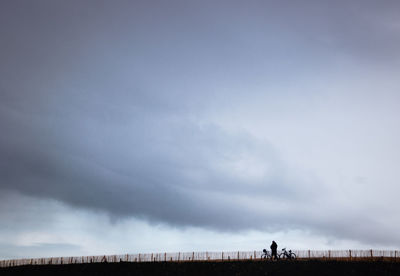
<point>167,126</point>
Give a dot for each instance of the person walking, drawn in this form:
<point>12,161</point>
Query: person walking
<point>274,248</point>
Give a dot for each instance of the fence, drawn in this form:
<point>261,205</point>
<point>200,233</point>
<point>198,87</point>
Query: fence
<point>206,256</point>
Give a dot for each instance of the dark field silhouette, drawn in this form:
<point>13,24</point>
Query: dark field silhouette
<point>281,268</point>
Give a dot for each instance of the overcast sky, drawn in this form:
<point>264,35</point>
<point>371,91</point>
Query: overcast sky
<point>152,126</point>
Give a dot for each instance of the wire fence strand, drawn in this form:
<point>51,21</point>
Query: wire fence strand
<point>207,256</point>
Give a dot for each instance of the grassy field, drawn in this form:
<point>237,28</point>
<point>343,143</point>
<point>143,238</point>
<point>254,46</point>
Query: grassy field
<point>282,268</point>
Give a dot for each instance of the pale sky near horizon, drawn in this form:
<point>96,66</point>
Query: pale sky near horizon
<point>153,126</point>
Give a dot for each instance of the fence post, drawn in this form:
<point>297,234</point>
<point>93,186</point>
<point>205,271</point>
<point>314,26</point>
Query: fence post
<point>127,257</point>
<point>206,256</point>
<point>165,256</point>
<point>395,255</point>
<point>371,253</point>
<point>179,256</point>
<point>192,256</point>
<point>329,254</point>
<point>238,256</point>
<point>255,256</point>
<point>222,255</point>
<point>350,254</point>
<point>309,254</point>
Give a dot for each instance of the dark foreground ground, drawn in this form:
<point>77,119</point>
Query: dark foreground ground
<point>281,268</point>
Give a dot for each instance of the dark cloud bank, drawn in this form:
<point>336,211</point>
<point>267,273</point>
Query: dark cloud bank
<point>105,106</point>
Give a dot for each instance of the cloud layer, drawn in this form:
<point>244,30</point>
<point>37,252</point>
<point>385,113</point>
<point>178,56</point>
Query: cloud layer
<point>221,116</point>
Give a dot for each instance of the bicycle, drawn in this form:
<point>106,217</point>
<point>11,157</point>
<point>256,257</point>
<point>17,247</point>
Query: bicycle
<point>266,254</point>
<point>287,254</point>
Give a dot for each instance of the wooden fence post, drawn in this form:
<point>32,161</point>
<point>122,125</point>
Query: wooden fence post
<point>329,254</point>
<point>350,254</point>
<point>371,253</point>
<point>179,256</point>
<point>309,254</point>
<point>222,255</point>
<point>165,256</point>
<point>192,256</point>
<point>238,255</point>
<point>255,256</point>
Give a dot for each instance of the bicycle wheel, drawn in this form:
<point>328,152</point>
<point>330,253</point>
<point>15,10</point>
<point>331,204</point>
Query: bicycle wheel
<point>292,256</point>
<point>264,256</point>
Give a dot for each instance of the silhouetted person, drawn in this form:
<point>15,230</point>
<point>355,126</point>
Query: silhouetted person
<point>274,248</point>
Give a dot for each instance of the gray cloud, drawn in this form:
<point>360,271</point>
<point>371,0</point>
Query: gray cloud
<point>46,250</point>
<point>118,107</point>
<point>174,171</point>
